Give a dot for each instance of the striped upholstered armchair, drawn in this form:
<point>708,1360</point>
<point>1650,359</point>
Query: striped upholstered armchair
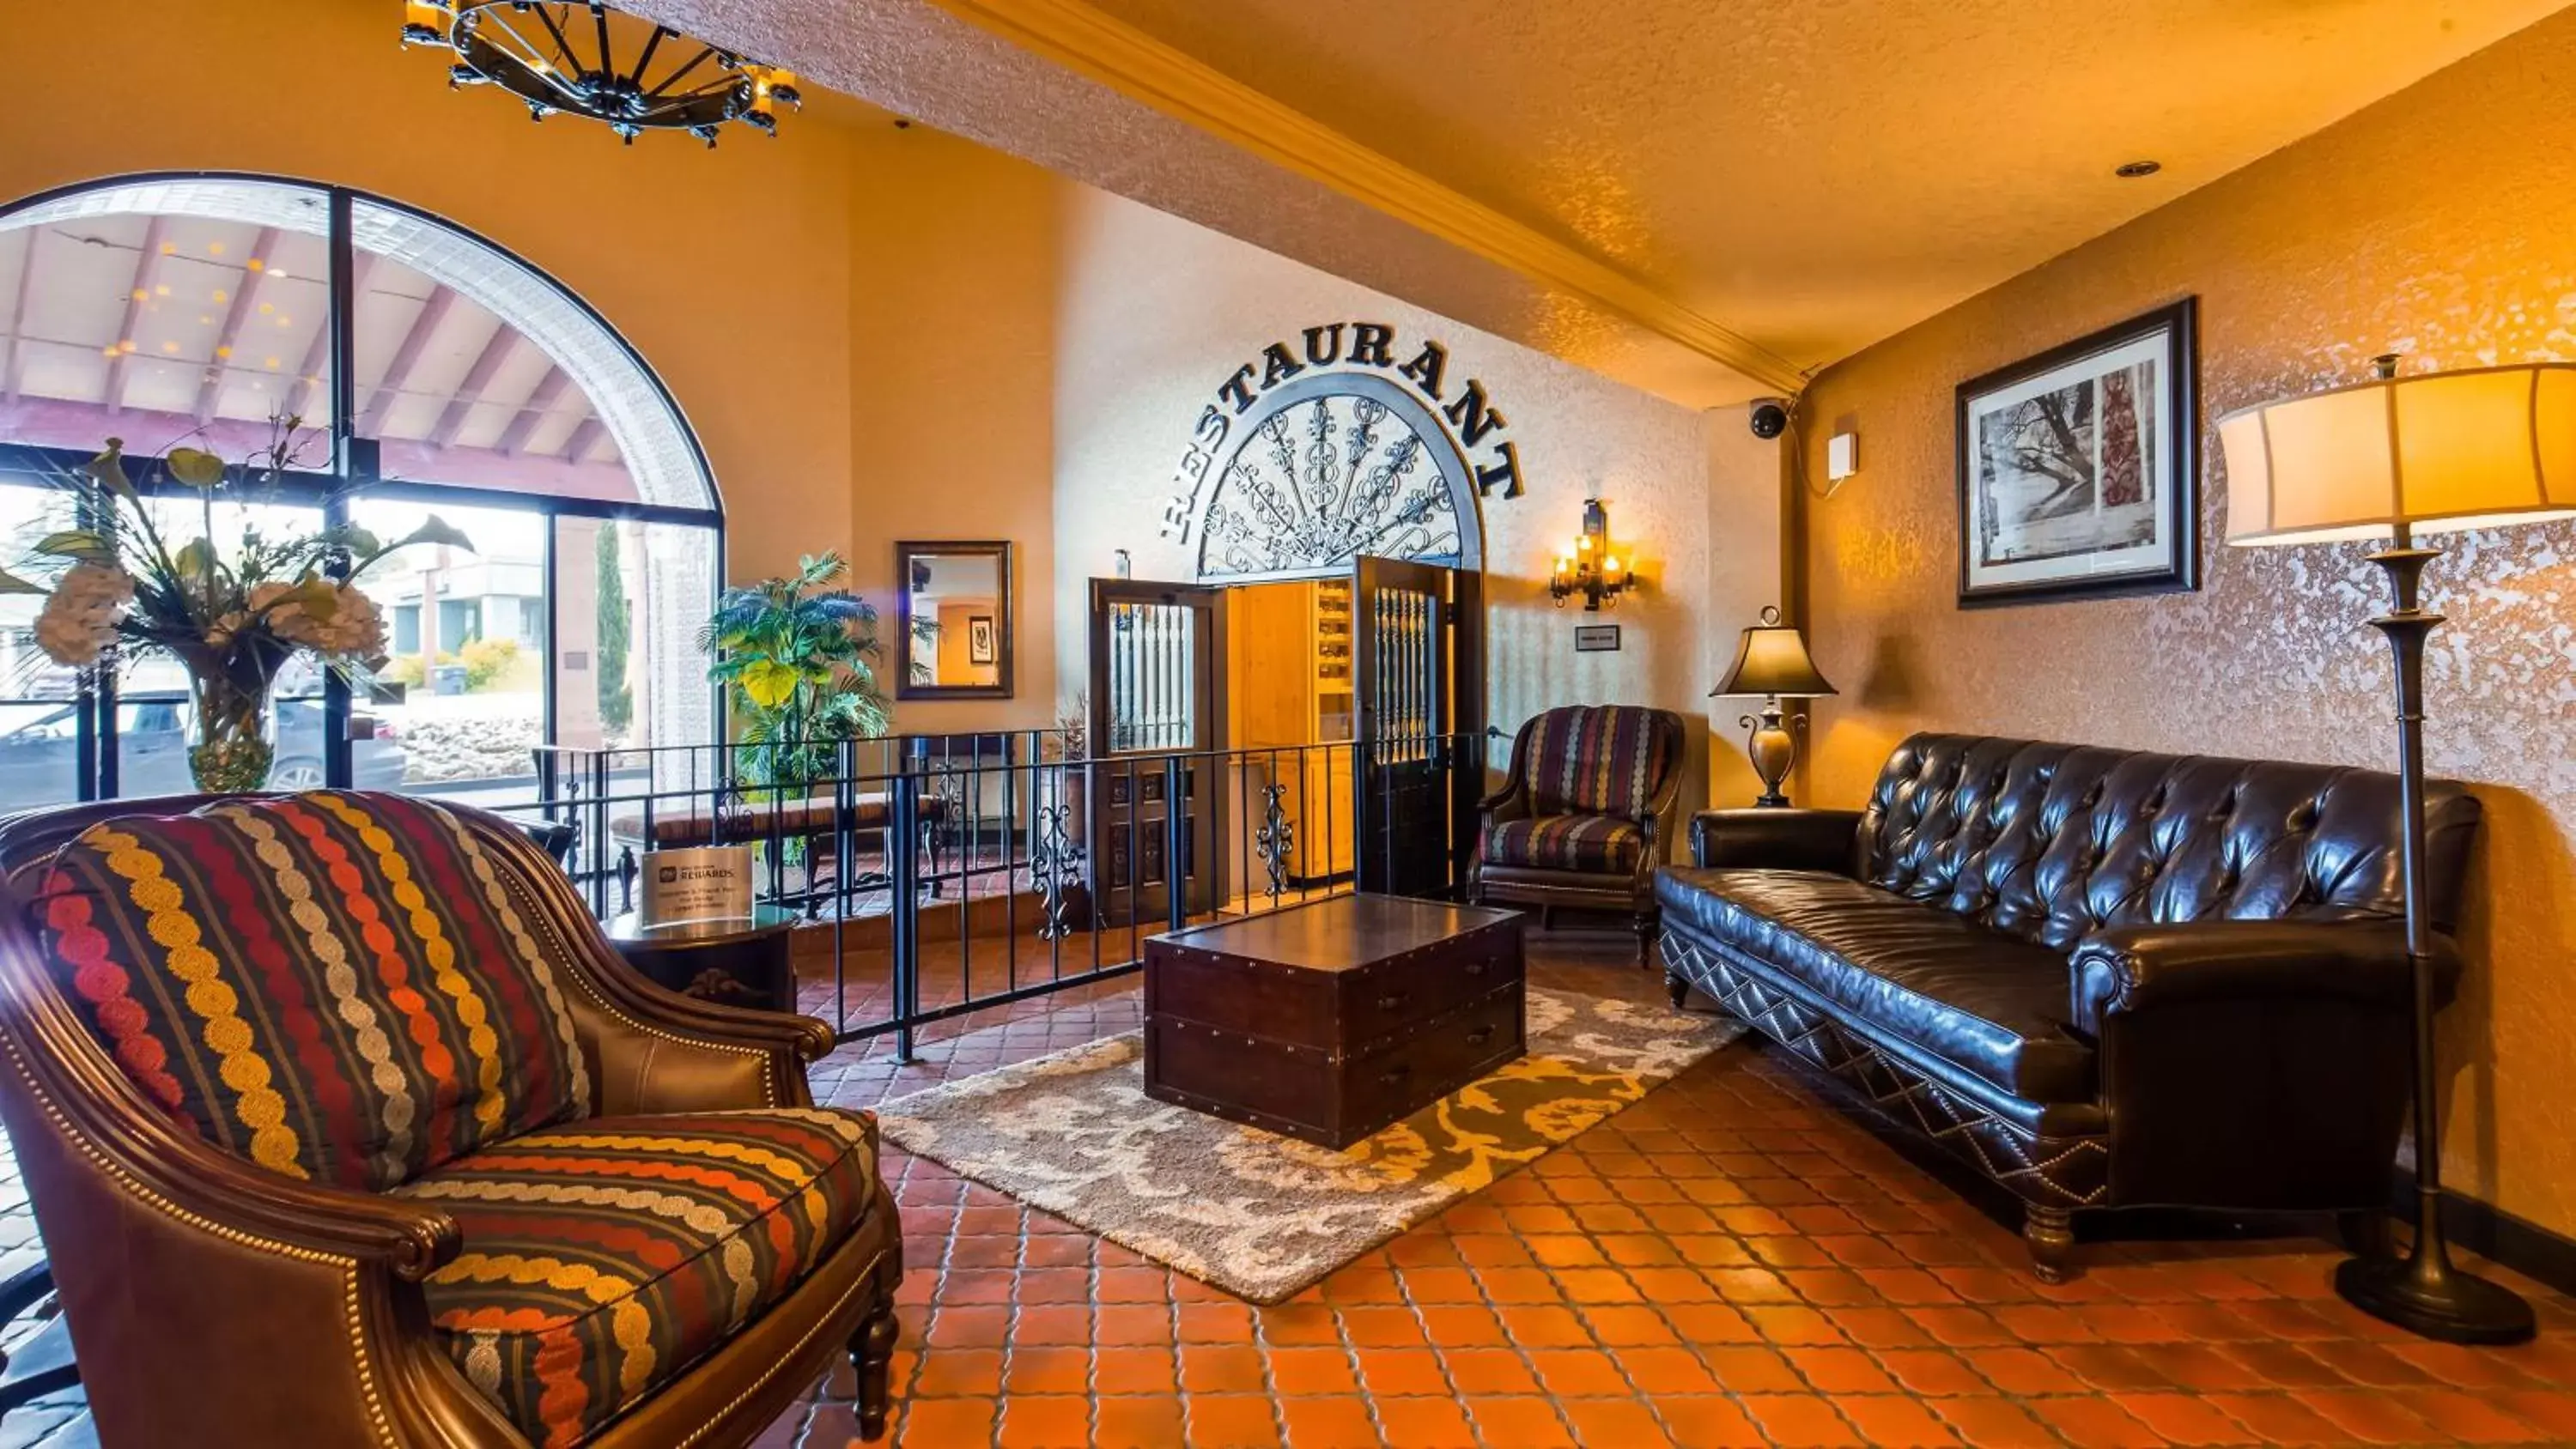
<point>1580,820</point>
<point>345,1125</point>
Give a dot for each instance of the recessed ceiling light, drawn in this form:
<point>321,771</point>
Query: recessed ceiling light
<point>2135,169</point>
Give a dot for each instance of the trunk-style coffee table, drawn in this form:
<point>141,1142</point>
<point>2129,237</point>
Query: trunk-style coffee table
<point>1329,1021</point>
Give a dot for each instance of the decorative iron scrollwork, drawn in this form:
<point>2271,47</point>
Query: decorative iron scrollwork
<point>1280,508</point>
<point>1276,839</point>
<point>1055,862</point>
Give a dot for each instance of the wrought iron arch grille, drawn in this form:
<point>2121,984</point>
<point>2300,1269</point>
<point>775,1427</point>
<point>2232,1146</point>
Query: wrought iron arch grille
<point>1328,468</point>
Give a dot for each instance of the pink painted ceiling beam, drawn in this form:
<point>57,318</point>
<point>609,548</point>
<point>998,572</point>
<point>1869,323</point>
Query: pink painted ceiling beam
<point>60,423</point>
<point>541,401</point>
<point>308,373</point>
<point>13,367</point>
<point>254,270</point>
<point>146,267</point>
<point>579,444</point>
<point>487,364</point>
<point>371,415</point>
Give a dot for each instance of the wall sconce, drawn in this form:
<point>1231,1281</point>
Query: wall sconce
<point>1588,567</point>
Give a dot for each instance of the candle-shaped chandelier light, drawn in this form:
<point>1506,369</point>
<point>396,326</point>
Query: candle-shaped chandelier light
<point>586,59</point>
<point>1587,567</point>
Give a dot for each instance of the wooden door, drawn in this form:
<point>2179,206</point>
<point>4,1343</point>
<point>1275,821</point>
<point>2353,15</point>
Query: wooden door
<point>1157,727</point>
<point>1409,660</point>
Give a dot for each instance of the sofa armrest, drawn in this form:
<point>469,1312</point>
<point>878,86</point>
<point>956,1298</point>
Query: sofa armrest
<point>2142,968</point>
<point>1774,839</point>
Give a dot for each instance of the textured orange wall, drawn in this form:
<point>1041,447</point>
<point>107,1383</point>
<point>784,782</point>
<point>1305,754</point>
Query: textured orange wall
<point>2441,223</point>
<point>728,270</point>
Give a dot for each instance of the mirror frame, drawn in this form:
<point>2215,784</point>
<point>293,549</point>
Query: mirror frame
<point>904,553</point>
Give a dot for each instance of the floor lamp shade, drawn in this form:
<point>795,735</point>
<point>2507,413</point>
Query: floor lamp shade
<point>2429,453</point>
<point>2393,458</point>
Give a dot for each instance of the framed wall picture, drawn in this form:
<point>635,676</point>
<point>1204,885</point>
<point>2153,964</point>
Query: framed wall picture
<point>2079,469</point>
<point>979,639</point>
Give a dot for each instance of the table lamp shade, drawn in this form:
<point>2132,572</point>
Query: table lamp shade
<point>2434,452</point>
<point>1772,659</point>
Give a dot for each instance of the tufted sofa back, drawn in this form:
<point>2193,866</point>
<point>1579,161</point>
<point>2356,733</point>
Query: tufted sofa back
<point>2048,842</point>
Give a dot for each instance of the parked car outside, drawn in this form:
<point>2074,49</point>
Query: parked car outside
<point>39,761</point>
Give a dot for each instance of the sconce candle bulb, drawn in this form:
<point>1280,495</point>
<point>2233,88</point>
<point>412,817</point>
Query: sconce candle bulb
<point>1587,568</point>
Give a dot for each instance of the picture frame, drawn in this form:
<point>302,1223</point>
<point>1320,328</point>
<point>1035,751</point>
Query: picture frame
<point>2079,468</point>
<point>1596,638</point>
<point>979,639</point>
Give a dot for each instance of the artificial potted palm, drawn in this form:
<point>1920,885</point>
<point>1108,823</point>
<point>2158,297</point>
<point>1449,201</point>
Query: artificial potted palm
<point>234,613</point>
<point>798,655</point>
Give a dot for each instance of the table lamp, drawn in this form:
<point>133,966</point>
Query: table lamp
<point>2399,457</point>
<point>1771,661</point>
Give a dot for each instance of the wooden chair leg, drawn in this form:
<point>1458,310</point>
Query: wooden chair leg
<point>872,1354</point>
<point>2050,1232</point>
<point>1646,923</point>
<point>1677,989</point>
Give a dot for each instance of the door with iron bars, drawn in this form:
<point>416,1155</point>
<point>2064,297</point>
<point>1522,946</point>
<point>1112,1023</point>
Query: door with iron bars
<point>1416,668</point>
<point>1157,723</point>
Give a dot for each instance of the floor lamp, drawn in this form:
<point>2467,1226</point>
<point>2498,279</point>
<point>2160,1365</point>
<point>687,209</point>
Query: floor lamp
<point>2398,457</point>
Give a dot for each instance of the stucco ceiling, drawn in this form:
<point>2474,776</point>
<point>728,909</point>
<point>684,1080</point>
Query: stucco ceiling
<point>1818,174</point>
<point>1811,174</point>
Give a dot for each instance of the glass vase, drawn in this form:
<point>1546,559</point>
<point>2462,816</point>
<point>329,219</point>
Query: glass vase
<point>232,754</point>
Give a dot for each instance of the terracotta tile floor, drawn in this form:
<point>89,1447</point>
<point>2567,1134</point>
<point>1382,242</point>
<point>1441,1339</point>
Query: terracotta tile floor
<point>1732,1261</point>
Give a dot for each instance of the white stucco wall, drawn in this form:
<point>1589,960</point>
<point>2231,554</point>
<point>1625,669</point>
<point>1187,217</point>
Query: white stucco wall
<point>1157,313</point>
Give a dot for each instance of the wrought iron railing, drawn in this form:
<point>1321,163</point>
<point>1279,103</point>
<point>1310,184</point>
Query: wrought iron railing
<point>951,873</point>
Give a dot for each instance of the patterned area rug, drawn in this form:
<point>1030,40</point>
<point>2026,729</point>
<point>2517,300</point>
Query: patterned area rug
<point>1261,1215</point>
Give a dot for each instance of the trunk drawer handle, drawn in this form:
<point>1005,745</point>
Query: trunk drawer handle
<point>1390,1001</point>
<point>1480,1035</point>
<point>1475,968</point>
<point>1393,1075</point>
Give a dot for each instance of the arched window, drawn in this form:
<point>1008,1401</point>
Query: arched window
<point>426,370</point>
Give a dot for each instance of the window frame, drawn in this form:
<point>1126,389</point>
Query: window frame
<point>356,473</point>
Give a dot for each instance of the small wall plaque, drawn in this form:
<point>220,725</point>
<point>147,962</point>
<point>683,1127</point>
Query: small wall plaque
<point>1596,638</point>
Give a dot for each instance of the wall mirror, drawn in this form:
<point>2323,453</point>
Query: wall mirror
<point>954,638</point>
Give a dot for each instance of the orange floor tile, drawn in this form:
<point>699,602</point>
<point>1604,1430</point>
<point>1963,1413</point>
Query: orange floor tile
<point>1733,1261</point>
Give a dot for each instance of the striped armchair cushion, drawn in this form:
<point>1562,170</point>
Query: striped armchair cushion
<point>346,988</point>
<point>601,1258</point>
<point>1595,760</point>
<point>1599,844</point>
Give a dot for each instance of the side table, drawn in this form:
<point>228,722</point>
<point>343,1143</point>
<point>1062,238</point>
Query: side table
<point>735,962</point>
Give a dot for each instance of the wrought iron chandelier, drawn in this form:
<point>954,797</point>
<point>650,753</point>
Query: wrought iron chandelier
<point>586,59</point>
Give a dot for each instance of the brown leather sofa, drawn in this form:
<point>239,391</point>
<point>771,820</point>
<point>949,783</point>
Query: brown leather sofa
<point>2104,978</point>
<point>420,1249</point>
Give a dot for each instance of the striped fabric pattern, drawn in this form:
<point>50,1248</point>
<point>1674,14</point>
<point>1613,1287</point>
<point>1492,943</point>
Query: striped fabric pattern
<point>1599,844</point>
<point>1595,760</point>
<point>338,987</point>
<point>603,1257</point>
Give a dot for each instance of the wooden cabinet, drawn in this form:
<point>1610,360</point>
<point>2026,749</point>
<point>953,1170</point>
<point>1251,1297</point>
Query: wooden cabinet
<point>1290,685</point>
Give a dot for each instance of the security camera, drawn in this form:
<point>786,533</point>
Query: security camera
<point>1770,418</point>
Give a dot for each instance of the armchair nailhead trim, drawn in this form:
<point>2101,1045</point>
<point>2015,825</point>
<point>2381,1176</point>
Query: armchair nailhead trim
<point>350,1308</point>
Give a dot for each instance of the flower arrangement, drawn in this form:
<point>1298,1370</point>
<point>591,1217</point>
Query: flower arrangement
<point>122,583</point>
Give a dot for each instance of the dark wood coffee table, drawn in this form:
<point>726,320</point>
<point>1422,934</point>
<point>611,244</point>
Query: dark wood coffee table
<point>1329,1021</point>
